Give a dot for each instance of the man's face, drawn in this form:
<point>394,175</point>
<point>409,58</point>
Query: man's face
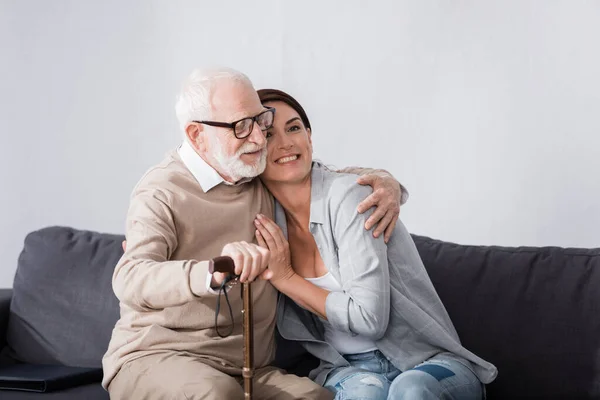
<point>235,158</point>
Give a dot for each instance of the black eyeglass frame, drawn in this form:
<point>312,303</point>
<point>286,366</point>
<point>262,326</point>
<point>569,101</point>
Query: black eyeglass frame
<point>231,125</point>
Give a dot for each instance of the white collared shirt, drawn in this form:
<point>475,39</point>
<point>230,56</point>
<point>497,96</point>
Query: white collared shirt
<point>207,176</point>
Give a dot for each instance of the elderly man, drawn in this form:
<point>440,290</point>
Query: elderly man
<point>199,203</point>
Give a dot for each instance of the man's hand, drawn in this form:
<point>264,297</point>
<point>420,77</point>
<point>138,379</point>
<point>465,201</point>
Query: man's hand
<point>250,262</point>
<point>386,198</point>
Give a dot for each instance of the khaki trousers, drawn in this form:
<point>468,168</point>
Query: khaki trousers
<point>176,376</point>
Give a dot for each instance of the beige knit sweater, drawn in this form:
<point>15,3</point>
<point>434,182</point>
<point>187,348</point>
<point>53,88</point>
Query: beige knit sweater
<point>173,228</point>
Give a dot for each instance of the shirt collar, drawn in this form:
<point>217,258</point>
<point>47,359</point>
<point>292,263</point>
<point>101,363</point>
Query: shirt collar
<point>206,175</point>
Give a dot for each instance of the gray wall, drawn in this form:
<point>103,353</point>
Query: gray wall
<point>487,110</point>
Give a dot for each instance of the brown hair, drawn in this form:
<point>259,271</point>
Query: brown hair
<point>267,95</point>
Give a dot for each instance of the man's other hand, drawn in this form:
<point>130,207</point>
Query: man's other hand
<point>386,198</point>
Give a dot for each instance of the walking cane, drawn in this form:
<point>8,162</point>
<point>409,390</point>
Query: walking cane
<point>225,264</point>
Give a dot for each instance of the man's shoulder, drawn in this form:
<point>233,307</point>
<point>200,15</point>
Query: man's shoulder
<point>165,176</point>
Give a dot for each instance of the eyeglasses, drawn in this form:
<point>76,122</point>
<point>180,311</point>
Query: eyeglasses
<point>243,127</point>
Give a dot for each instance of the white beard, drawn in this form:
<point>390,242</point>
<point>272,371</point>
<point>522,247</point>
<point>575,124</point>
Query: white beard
<point>233,166</point>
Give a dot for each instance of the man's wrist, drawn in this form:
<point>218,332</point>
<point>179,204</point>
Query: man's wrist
<point>403,191</point>
<point>211,285</point>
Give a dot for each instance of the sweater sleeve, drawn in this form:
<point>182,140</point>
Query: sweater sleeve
<point>379,172</point>
<point>144,277</point>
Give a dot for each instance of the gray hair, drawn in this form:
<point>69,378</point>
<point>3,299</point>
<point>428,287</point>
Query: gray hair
<point>194,100</point>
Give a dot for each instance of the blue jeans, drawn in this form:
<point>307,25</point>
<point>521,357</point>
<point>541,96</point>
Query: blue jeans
<point>371,376</point>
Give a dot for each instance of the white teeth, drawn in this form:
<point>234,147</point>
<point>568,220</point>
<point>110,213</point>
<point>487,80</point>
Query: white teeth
<point>287,159</point>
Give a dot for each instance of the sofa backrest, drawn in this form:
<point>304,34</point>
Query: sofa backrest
<point>533,312</point>
<point>63,308</point>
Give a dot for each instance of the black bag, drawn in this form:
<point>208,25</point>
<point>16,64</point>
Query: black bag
<point>46,378</point>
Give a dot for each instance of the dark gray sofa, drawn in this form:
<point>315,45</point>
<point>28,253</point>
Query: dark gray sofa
<point>534,312</point>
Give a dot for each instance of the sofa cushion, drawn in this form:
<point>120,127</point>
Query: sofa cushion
<point>533,312</point>
<point>63,308</point>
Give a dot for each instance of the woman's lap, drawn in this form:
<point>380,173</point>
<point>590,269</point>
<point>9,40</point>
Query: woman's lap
<point>375,378</point>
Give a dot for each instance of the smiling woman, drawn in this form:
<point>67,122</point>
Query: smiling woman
<point>327,264</point>
<point>289,148</point>
<point>289,140</point>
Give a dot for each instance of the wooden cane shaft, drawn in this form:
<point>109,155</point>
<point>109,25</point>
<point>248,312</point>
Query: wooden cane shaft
<point>248,370</point>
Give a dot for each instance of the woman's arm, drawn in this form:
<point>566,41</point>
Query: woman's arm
<point>305,293</point>
<point>363,306</point>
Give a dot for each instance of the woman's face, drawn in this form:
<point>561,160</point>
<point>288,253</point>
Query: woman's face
<point>289,147</point>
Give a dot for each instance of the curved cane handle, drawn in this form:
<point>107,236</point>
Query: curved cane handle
<point>223,264</point>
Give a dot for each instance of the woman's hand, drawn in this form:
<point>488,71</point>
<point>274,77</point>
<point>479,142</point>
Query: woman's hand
<point>270,236</point>
<point>285,279</point>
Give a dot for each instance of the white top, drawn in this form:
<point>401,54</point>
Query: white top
<point>343,342</point>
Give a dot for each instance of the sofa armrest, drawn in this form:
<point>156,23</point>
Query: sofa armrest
<point>5,298</point>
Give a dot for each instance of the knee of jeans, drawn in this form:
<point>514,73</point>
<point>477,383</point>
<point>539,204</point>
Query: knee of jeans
<point>411,393</point>
<point>412,384</point>
<point>361,386</point>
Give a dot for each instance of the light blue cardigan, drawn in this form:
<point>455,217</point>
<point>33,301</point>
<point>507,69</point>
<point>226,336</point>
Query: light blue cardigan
<point>387,295</point>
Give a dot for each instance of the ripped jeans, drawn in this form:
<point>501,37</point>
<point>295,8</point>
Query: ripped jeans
<point>371,376</point>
